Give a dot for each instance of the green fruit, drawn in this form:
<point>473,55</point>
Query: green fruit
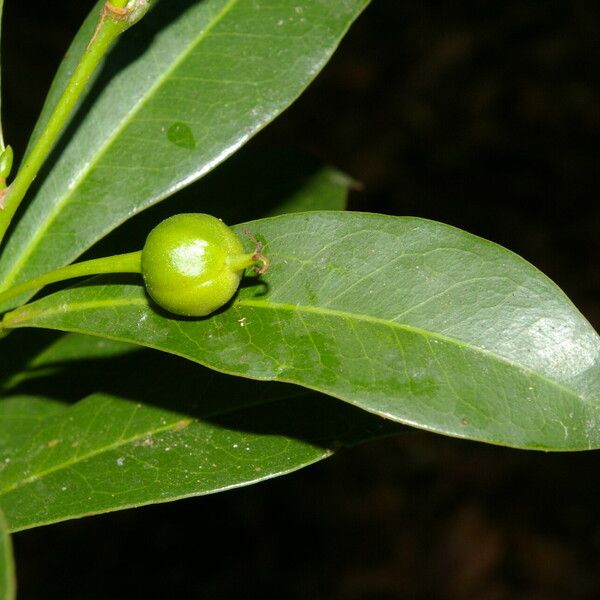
<point>192,264</point>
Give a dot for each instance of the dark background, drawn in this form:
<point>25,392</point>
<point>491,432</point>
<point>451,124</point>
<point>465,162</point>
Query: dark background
<point>481,114</point>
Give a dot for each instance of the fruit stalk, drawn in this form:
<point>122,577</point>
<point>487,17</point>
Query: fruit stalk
<point>120,263</point>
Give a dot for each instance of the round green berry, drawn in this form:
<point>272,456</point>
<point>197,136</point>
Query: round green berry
<point>192,264</point>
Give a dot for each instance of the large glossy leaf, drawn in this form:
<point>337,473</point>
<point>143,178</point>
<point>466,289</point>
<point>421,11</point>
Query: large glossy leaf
<point>184,89</point>
<point>406,318</point>
<point>7,567</point>
<point>160,429</point>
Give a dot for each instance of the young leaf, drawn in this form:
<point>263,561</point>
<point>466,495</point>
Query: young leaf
<point>185,88</point>
<point>410,319</point>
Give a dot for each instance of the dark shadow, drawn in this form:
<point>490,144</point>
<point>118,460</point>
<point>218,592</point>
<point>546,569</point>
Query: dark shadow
<point>181,386</point>
<point>24,345</point>
<point>259,286</point>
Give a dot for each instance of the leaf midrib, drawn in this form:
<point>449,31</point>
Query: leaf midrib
<point>268,305</point>
<point>83,457</point>
<point>82,174</point>
<point>325,453</point>
<point>289,395</point>
<point>418,330</point>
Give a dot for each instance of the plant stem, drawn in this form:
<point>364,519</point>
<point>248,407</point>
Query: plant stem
<point>120,263</point>
<point>1,132</point>
<point>240,262</point>
<point>110,25</point>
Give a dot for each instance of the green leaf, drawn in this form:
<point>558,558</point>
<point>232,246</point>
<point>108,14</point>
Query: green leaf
<point>197,432</point>
<point>183,89</point>
<point>7,567</point>
<point>327,189</point>
<point>410,319</point>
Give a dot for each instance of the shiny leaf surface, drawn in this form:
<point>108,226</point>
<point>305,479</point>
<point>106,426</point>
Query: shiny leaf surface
<point>410,319</point>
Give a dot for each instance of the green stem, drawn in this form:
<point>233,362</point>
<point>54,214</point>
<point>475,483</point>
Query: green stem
<point>240,262</point>
<point>1,132</point>
<point>110,25</point>
<point>120,263</point>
